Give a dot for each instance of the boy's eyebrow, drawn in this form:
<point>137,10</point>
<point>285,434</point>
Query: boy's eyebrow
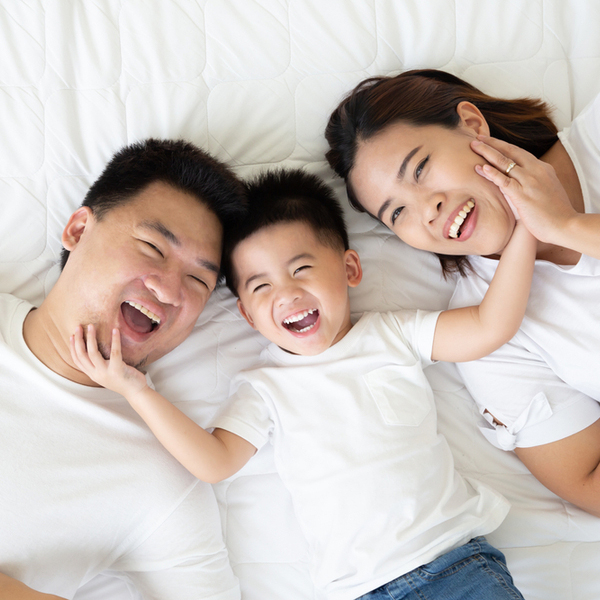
<point>166,233</point>
<point>400,177</point>
<point>264,274</point>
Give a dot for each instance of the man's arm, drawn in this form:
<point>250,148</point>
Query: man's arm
<point>11,589</point>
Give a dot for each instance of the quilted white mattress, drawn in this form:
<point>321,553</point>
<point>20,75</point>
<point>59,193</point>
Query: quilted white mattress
<point>253,81</point>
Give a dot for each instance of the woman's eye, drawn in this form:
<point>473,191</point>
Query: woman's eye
<point>420,168</point>
<point>396,214</point>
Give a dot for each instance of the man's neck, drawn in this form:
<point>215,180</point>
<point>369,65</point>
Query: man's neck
<point>43,336</point>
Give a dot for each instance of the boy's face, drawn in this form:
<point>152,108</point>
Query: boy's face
<point>293,289</point>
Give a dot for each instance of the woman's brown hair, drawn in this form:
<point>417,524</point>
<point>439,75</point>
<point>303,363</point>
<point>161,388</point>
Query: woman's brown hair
<point>429,97</point>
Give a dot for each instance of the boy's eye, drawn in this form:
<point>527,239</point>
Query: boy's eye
<point>396,214</point>
<point>301,268</point>
<point>258,287</point>
<point>420,168</point>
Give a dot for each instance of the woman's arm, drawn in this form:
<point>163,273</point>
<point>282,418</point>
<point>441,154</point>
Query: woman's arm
<point>469,333</point>
<point>547,210</point>
<point>15,590</point>
<point>210,457</point>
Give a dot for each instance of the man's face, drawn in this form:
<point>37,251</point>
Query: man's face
<point>147,267</point>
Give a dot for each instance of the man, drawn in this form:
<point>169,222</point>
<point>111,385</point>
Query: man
<point>85,486</point>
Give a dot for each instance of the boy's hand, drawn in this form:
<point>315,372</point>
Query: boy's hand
<point>113,374</point>
<point>531,186</point>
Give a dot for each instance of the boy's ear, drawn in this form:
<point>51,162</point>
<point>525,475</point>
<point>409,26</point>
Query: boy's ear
<point>75,227</point>
<point>245,314</point>
<point>472,118</point>
<point>353,267</point>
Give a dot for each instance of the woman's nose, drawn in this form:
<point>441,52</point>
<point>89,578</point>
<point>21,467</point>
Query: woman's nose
<point>433,206</point>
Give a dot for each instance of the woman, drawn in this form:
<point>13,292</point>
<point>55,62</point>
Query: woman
<point>415,152</point>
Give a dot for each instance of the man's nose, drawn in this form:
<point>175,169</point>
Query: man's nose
<point>166,286</point>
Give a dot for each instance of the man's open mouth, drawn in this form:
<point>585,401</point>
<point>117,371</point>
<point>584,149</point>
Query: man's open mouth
<point>460,220</point>
<point>302,321</point>
<point>139,318</point>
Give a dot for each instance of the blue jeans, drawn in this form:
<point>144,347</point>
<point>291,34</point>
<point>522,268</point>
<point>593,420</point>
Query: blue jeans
<point>475,571</point>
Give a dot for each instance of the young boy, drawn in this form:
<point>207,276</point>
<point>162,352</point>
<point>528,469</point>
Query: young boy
<point>346,406</point>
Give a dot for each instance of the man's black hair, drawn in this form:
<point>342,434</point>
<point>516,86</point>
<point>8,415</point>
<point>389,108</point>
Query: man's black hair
<point>287,196</point>
<point>177,163</point>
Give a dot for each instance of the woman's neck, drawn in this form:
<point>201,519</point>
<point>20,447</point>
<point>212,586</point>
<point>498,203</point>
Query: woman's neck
<point>559,158</point>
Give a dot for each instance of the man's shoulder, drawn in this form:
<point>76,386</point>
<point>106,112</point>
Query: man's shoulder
<point>11,307</point>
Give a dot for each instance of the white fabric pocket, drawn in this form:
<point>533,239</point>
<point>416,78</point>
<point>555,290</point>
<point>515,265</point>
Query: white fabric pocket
<point>402,394</point>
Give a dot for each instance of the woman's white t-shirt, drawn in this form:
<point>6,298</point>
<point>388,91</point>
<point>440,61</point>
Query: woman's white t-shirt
<point>544,385</point>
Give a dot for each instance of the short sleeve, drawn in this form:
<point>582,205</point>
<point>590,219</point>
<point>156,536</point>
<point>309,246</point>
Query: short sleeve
<point>246,414</point>
<point>417,327</point>
<point>185,557</point>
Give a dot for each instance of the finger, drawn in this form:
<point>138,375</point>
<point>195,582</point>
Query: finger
<point>506,185</point>
<point>502,162</point>
<point>516,153</point>
<point>78,350</point>
<point>115,346</point>
<point>92,347</point>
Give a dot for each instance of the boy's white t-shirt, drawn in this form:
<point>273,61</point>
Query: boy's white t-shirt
<point>355,440</point>
<point>544,385</point>
<point>86,487</point>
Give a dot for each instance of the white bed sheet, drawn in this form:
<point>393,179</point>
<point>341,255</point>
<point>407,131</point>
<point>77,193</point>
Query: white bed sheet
<point>253,81</point>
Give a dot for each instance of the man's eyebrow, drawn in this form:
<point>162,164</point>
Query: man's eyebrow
<point>160,228</point>
<point>400,176</point>
<point>173,239</point>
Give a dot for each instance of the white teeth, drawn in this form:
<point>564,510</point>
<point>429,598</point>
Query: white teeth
<point>299,317</point>
<point>145,311</point>
<point>460,219</point>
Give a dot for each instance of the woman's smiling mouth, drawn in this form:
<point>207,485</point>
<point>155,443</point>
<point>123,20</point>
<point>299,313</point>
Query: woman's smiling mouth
<point>455,228</point>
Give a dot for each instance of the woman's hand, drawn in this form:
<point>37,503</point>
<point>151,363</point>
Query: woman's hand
<point>531,187</point>
<point>113,374</point>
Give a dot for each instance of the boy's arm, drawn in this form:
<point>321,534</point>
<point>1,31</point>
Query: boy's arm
<point>469,333</point>
<point>210,457</point>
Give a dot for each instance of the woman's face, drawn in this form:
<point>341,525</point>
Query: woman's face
<point>420,181</point>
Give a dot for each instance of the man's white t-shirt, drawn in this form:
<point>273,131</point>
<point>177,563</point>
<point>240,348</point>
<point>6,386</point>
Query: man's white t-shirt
<point>85,487</point>
<point>544,385</point>
<point>355,439</point>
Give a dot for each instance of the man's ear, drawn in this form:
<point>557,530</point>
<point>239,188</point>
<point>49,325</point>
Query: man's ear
<point>75,227</point>
<point>472,118</point>
<point>353,267</point>
<point>245,314</point>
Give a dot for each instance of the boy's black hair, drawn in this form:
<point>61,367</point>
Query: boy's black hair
<point>177,163</point>
<point>287,196</point>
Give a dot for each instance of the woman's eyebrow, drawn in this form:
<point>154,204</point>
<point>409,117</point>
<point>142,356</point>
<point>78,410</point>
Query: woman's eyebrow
<point>402,169</point>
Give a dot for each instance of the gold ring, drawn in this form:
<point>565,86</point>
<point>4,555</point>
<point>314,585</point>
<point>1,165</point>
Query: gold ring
<point>510,167</point>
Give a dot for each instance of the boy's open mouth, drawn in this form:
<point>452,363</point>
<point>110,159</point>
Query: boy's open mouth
<point>138,318</point>
<point>302,321</point>
<point>461,218</point>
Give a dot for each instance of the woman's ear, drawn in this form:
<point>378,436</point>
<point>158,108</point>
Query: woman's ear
<point>245,314</point>
<point>472,118</point>
<point>353,267</point>
<point>75,227</point>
